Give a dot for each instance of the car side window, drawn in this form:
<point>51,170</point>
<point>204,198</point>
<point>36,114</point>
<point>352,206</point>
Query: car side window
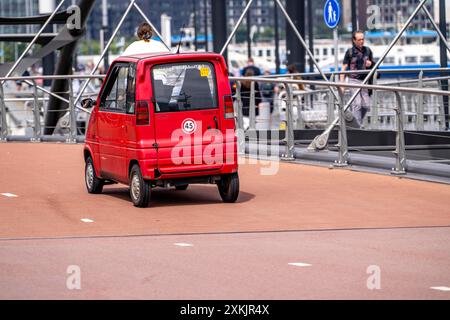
<point>131,89</point>
<point>114,95</point>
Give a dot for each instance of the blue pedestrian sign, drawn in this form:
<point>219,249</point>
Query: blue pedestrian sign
<point>332,13</point>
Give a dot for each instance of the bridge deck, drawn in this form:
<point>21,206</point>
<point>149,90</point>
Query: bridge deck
<point>49,182</point>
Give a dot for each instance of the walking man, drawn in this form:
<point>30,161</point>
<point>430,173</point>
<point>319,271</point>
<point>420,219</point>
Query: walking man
<point>359,57</point>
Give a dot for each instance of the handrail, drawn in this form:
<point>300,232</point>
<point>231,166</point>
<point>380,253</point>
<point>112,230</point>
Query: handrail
<point>346,85</point>
<point>405,70</point>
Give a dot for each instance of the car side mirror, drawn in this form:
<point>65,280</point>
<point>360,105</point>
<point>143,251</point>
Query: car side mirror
<point>88,103</point>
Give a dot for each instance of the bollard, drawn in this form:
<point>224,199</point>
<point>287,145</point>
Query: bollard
<point>72,116</point>
<point>289,156</point>
<point>399,152</point>
<point>4,124</point>
<point>36,115</point>
<point>342,140</point>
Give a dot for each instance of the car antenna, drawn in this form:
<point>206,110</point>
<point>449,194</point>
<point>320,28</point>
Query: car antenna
<point>181,38</point>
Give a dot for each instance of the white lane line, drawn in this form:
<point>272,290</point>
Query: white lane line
<point>10,195</point>
<point>441,288</point>
<point>87,220</point>
<point>182,244</point>
<point>299,264</point>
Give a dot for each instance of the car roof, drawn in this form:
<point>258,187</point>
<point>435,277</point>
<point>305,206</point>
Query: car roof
<point>167,56</point>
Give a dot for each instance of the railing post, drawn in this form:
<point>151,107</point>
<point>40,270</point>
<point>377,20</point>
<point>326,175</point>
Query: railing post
<point>239,113</point>
<point>330,105</point>
<point>72,116</point>
<point>342,140</point>
<point>4,124</point>
<point>36,115</point>
<point>419,111</point>
<point>252,111</point>
<point>240,120</point>
<point>301,103</point>
<point>374,113</point>
<point>400,164</point>
<point>289,156</point>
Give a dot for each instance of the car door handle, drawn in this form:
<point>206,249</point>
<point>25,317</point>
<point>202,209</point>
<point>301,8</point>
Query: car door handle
<point>216,123</point>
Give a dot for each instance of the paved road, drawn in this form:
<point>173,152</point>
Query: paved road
<point>304,232</point>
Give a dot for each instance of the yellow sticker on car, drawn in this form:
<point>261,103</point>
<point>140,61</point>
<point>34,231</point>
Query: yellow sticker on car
<point>204,72</point>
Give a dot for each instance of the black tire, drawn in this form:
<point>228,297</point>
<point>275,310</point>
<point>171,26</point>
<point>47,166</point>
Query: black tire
<point>229,187</point>
<point>182,187</point>
<point>93,183</point>
<point>139,188</point>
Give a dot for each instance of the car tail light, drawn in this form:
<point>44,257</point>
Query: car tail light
<point>229,109</point>
<point>142,113</point>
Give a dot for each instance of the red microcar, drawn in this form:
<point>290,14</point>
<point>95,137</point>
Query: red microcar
<point>163,120</point>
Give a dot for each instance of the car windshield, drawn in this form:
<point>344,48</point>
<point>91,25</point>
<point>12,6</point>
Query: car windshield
<point>184,87</point>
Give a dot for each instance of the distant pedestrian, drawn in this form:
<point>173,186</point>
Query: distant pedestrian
<point>246,92</point>
<point>359,57</point>
<point>251,66</point>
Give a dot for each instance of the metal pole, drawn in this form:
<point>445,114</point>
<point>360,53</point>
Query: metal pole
<point>206,26</point>
<point>444,59</point>
<point>419,111</point>
<point>320,142</point>
<point>400,162</point>
<point>103,31</point>
<point>310,33</point>
<point>151,24</point>
<point>235,27</point>
<point>195,25</point>
<point>37,116</point>
<point>354,17</point>
<point>336,49</point>
<point>277,39</point>
<point>85,84</point>
<point>4,124</point>
<point>34,40</point>
<point>249,40</point>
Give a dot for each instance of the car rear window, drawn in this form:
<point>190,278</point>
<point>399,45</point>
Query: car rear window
<point>184,87</point>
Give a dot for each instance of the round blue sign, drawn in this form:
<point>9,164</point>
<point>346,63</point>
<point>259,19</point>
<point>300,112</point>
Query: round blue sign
<point>332,13</point>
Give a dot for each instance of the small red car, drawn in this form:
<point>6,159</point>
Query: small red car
<point>163,120</point>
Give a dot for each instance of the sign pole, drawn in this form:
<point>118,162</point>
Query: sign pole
<point>336,50</point>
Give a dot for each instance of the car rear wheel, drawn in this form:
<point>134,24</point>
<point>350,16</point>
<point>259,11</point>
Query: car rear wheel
<point>139,188</point>
<point>229,187</point>
<point>182,187</point>
<point>93,183</point>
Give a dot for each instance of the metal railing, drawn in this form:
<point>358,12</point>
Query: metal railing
<point>35,101</point>
<point>291,98</point>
